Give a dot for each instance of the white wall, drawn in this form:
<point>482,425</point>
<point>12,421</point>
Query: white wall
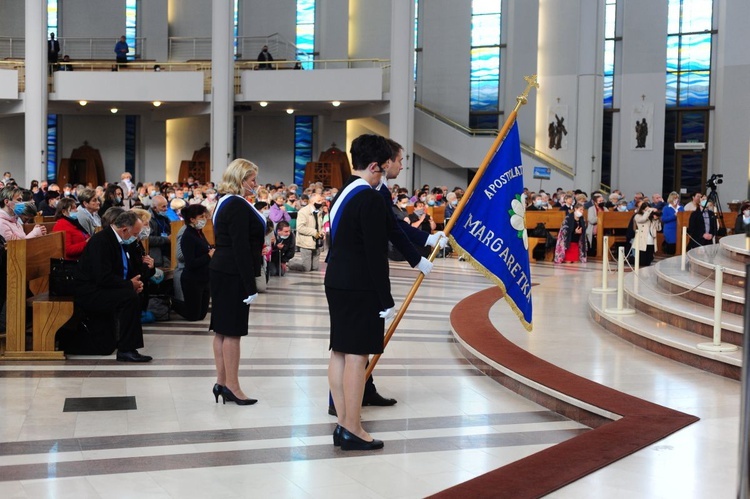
<point>105,133</point>
<point>184,137</point>
<point>269,143</point>
<point>129,86</point>
<point>262,18</point>
<point>11,148</point>
<point>332,29</point>
<point>362,84</point>
<point>189,18</point>
<point>428,173</point>
<point>12,18</point>
<point>153,26</point>
<point>151,163</point>
<point>79,19</point>
<point>369,34</point>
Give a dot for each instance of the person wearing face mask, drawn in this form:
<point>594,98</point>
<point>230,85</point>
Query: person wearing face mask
<point>159,244</point>
<point>112,197</point>
<point>571,238</point>
<point>11,227</point>
<point>210,201</point>
<point>743,219</point>
<point>239,231</point>
<point>278,210</point>
<point>702,226</point>
<point>669,223</point>
<point>67,222</point>
<point>107,288</point>
<point>419,219</point>
<point>536,203</point>
<point>592,215</point>
<point>88,211</point>
<point>647,221</point>
<point>49,205</point>
<point>196,254</point>
<point>283,249</point>
<point>310,236</point>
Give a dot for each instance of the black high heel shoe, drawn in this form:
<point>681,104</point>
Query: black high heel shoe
<point>350,441</point>
<point>226,394</point>
<point>337,436</point>
<point>217,391</point>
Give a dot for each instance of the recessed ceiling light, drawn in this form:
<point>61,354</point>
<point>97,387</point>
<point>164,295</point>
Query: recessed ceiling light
<point>263,103</point>
<point>156,103</point>
<point>113,110</point>
<point>290,111</point>
<point>336,103</point>
<point>83,102</point>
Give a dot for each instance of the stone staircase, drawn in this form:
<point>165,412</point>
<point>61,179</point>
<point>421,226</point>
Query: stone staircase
<point>674,309</point>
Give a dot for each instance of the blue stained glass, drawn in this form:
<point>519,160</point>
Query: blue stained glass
<point>484,95</point>
<point>236,24</point>
<point>485,62</point>
<point>671,90</point>
<point>695,53</point>
<point>609,57</point>
<point>131,27</point>
<point>52,16</point>
<point>305,11</point>
<point>485,7</point>
<point>303,137</point>
<point>694,89</point>
<point>691,171</point>
<point>131,122</point>
<point>696,15</point>
<point>51,147</point>
<point>484,121</point>
<point>485,30</point>
<point>673,53</point>
<point>693,126</point>
<point>305,40</point>
<point>609,83</point>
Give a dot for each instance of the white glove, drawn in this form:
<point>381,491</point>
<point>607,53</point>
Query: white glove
<point>250,299</point>
<point>388,313</point>
<point>425,266</point>
<point>438,236</point>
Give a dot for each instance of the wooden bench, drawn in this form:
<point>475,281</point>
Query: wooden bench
<point>612,224</point>
<point>175,228</point>
<point>28,269</point>
<point>552,220</point>
<point>47,225</point>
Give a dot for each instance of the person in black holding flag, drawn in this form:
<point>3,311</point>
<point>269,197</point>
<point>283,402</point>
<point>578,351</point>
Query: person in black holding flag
<point>357,286</point>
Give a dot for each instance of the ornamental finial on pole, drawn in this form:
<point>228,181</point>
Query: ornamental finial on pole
<point>523,98</point>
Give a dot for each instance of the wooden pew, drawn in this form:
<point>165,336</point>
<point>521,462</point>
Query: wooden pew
<point>438,215</point>
<point>29,268</point>
<point>48,225</point>
<point>552,220</point>
<point>176,226</point>
<point>609,222</point>
<point>208,231</point>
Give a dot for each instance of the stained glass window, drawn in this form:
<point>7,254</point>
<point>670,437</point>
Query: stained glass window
<point>689,52</point>
<point>610,19</point>
<point>484,99</point>
<point>131,33</point>
<point>306,32</point>
<point>52,118</point>
<point>303,139</point>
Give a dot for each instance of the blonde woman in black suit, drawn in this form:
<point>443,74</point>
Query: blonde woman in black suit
<point>239,232</point>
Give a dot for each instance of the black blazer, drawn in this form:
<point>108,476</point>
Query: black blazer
<point>358,257</point>
<point>136,251</point>
<point>696,227</point>
<point>239,236</point>
<point>404,237</point>
<point>195,253</point>
<point>100,266</point>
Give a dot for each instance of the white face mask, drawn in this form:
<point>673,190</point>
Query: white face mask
<point>199,224</point>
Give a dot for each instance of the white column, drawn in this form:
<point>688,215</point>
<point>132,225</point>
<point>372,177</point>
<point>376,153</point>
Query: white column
<point>222,88</point>
<point>402,84</point>
<point>35,98</point>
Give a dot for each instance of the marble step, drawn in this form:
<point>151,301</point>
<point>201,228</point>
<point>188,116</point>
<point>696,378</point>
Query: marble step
<point>663,339</point>
<point>737,247</point>
<point>647,296</point>
<point>703,261</point>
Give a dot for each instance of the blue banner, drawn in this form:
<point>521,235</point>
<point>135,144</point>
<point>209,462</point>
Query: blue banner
<point>491,229</point>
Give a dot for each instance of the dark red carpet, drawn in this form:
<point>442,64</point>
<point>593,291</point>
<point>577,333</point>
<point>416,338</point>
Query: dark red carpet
<point>642,423</point>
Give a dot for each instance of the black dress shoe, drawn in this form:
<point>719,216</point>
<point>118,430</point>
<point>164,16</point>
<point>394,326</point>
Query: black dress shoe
<point>337,436</point>
<point>332,410</point>
<point>226,394</point>
<point>350,441</point>
<point>376,399</point>
<point>133,356</point>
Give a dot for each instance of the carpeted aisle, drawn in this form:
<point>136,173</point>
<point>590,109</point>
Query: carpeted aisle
<point>641,424</point>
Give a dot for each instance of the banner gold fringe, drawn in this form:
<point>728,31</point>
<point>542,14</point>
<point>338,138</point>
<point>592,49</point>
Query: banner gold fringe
<point>492,277</point>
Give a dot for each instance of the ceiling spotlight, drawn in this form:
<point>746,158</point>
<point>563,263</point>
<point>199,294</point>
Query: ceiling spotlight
<point>263,103</point>
<point>113,110</point>
<point>290,111</point>
<point>83,102</point>
<point>156,103</point>
<point>336,103</point>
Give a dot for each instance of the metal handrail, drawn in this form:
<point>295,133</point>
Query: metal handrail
<point>531,151</point>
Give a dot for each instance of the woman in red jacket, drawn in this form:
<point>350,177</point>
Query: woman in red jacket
<point>75,236</point>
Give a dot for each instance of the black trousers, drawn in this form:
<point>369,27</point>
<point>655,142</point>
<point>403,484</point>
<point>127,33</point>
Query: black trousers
<point>122,306</point>
<point>197,295</point>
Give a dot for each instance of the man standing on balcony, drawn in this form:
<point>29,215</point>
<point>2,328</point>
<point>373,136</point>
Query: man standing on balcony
<point>121,50</point>
<point>264,58</point>
<point>53,52</point>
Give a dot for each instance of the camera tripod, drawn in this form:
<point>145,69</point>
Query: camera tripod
<point>713,197</point>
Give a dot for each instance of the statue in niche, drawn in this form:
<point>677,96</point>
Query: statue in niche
<point>556,130</point>
<point>641,133</point>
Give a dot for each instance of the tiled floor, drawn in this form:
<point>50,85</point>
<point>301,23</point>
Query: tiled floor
<point>450,424</point>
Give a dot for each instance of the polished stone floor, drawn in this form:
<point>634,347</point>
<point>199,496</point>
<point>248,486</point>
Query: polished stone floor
<point>450,424</point>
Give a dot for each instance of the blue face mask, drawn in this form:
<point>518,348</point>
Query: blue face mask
<point>431,203</point>
<point>19,208</point>
<point>118,200</point>
<point>127,241</point>
<point>73,215</point>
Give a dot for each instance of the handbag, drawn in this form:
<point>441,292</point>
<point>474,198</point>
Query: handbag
<point>61,281</point>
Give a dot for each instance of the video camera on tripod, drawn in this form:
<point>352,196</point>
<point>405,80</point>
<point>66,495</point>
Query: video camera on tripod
<point>715,180</point>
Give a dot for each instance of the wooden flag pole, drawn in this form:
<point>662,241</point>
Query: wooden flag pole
<point>520,101</point>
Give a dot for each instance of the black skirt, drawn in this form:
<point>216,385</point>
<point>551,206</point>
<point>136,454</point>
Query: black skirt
<point>229,316</point>
<point>355,324</point>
